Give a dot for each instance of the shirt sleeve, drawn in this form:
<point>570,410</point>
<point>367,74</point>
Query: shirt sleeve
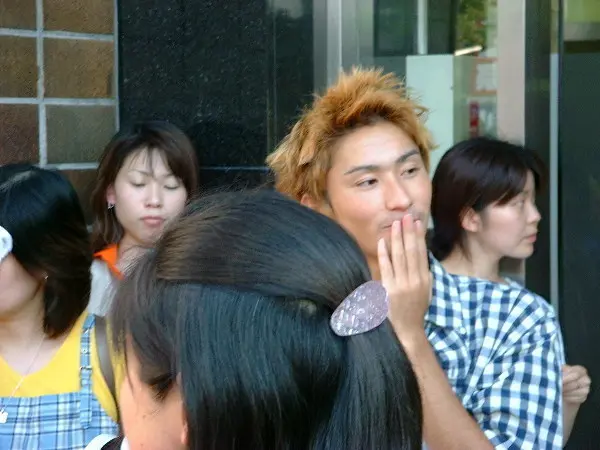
<point>518,403</point>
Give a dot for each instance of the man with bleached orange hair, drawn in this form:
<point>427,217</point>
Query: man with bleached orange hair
<point>488,356</point>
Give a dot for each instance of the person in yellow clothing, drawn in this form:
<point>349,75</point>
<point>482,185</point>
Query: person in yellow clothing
<point>61,374</point>
<point>53,389</point>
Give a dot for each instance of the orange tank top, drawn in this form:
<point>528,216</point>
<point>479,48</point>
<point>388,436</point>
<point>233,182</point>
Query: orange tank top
<point>110,255</point>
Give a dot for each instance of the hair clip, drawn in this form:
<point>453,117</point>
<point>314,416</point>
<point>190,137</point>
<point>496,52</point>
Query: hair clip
<point>6,243</point>
<point>363,310</point>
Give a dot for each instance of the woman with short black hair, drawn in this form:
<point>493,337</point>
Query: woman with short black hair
<point>483,210</point>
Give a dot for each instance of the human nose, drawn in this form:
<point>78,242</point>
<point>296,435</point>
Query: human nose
<point>154,197</point>
<point>397,196</point>
<point>534,214</point>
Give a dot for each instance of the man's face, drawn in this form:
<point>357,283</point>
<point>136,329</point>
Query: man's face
<point>377,176</point>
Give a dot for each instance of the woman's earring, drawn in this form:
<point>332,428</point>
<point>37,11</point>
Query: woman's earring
<point>111,205</point>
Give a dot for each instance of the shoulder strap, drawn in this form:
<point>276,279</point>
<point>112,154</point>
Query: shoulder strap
<point>116,444</point>
<point>104,355</point>
<point>101,442</point>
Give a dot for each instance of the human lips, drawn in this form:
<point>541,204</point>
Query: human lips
<point>153,221</point>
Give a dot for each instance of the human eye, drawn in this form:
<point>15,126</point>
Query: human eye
<point>410,171</point>
<point>368,182</point>
<point>519,202</point>
<point>172,184</point>
<point>137,184</point>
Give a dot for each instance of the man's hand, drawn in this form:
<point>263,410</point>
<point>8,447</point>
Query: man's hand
<point>405,275</point>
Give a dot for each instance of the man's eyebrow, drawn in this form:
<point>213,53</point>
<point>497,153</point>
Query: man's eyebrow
<point>375,167</point>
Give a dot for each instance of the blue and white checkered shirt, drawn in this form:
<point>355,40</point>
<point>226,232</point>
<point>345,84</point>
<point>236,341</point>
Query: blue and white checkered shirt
<point>502,351</point>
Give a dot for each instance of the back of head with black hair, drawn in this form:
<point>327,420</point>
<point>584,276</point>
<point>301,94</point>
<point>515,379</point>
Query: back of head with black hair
<point>236,299</point>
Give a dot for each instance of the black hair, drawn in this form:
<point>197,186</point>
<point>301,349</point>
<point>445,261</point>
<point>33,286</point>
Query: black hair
<point>473,175</point>
<point>234,304</point>
<point>42,212</point>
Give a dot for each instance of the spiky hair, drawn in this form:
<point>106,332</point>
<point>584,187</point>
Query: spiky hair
<point>361,97</point>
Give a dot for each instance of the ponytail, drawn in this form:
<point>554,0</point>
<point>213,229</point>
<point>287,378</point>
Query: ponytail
<point>378,403</point>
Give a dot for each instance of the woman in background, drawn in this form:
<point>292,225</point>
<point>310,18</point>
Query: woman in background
<point>145,177</point>
<point>483,210</point>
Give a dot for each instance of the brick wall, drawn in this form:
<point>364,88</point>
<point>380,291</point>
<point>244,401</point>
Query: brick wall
<point>58,85</point>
